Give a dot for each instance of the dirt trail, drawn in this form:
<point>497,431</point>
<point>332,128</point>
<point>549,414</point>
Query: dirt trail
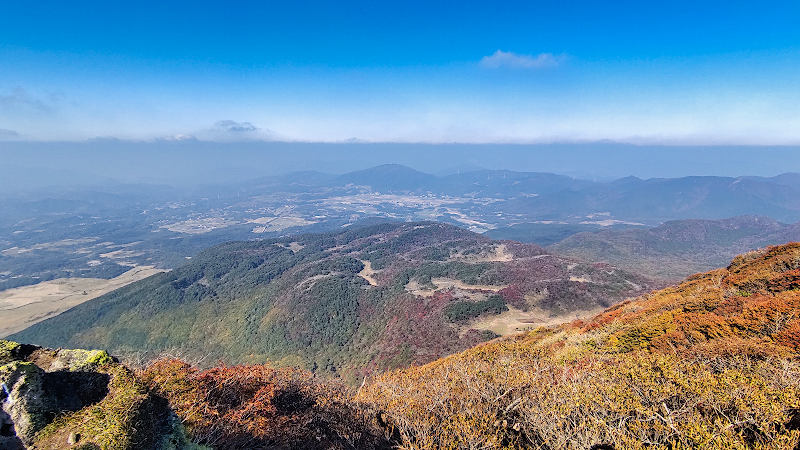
<point>446,283</point>
<point>515,320</point>
<point>293,246</point>
<point>368,273</point>
<point>499,254</point>
<point>27,305</point>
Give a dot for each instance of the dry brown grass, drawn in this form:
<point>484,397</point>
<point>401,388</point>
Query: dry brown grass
<point>712,363</point>
<point>25,306</point>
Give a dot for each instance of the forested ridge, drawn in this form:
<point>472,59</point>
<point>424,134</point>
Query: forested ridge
<point>677,249</point>
<point>306,300</point>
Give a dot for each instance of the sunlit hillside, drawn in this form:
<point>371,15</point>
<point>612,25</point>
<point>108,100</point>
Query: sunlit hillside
<point>677,249</point>
<point>711,363</point>
<point>345,303</point>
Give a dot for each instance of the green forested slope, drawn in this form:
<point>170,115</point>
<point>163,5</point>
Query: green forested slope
<point>305,301</point>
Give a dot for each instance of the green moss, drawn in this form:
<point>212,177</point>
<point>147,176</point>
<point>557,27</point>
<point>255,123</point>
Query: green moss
<point>7,351</point>
<point>18,369</point>
<point>80,360</point>
<point>99,358</point>
<point>8,346</point>
<point>109,424</point>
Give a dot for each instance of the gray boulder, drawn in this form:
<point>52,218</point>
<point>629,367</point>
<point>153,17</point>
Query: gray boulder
<point>26,406</point>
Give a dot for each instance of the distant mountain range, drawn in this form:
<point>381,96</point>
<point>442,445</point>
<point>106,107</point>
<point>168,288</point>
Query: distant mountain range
<point>659,200</point>
<point>479,183</point>
<point>546,196</point>
<point>678,248</point>
<point>101,231</point>
<point>532,195</point>
<point>346,302</point>
<point>546,233</point>
<point>396,178</point>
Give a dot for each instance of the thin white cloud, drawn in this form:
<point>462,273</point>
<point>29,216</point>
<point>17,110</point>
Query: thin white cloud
<point>236,127</point>
<point>227,131</point>
<point>517,61</point>
<point>178,137</point>
<point>21,101</point>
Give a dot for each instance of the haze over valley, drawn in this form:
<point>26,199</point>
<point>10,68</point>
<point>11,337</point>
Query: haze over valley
<point>103,231</point>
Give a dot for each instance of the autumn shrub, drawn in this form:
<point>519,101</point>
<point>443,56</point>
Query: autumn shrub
<point>632,401</point>
<point>699,365</point>
<point>256,406</point>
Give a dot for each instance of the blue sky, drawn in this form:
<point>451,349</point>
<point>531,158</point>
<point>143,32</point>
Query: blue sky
<point>662,73</point>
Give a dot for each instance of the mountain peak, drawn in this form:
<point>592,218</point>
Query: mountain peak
<point>388,177</point>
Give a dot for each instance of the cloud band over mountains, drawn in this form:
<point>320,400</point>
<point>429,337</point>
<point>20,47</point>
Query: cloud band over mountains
<point>236,127</point>
<point>504,97</point>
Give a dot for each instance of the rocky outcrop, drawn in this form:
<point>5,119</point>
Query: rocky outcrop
<point>39,384</point>
<point>70,399</point>
<point>25,402</point>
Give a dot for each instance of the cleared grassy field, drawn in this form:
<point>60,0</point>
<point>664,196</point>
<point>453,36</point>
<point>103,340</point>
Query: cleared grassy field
<point>24,306</point>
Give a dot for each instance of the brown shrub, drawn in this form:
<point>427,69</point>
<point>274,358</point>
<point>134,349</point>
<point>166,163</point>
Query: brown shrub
<point>246,407</point>
<point>711,363</point>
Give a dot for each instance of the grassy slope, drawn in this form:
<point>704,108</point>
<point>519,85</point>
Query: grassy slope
<point>711,363</point>
<point>252,302</point>
<point>680,248</point>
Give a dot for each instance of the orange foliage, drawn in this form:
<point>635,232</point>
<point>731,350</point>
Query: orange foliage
<point>753,273</point>
<point>255,406</point>
<point>711,363</point>
<point>757,297</point>
<point>790,336</point>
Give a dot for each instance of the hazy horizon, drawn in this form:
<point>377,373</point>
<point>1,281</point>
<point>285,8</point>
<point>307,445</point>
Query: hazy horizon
<point>31,165</point>
<point>203,92</point>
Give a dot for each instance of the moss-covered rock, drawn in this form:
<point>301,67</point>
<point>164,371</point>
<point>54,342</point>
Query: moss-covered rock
<point>111,423</point>
<point>80,399</point>
<point>25,401</point>
<point>8,351</point>
<point>79,360</point>
<point>12,351</point>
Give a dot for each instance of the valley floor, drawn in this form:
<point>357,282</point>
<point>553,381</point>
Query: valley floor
<point>24,306</point>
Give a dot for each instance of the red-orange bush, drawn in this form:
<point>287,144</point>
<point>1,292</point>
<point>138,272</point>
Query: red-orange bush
<point>711,363</point>
<point>256,406</point>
